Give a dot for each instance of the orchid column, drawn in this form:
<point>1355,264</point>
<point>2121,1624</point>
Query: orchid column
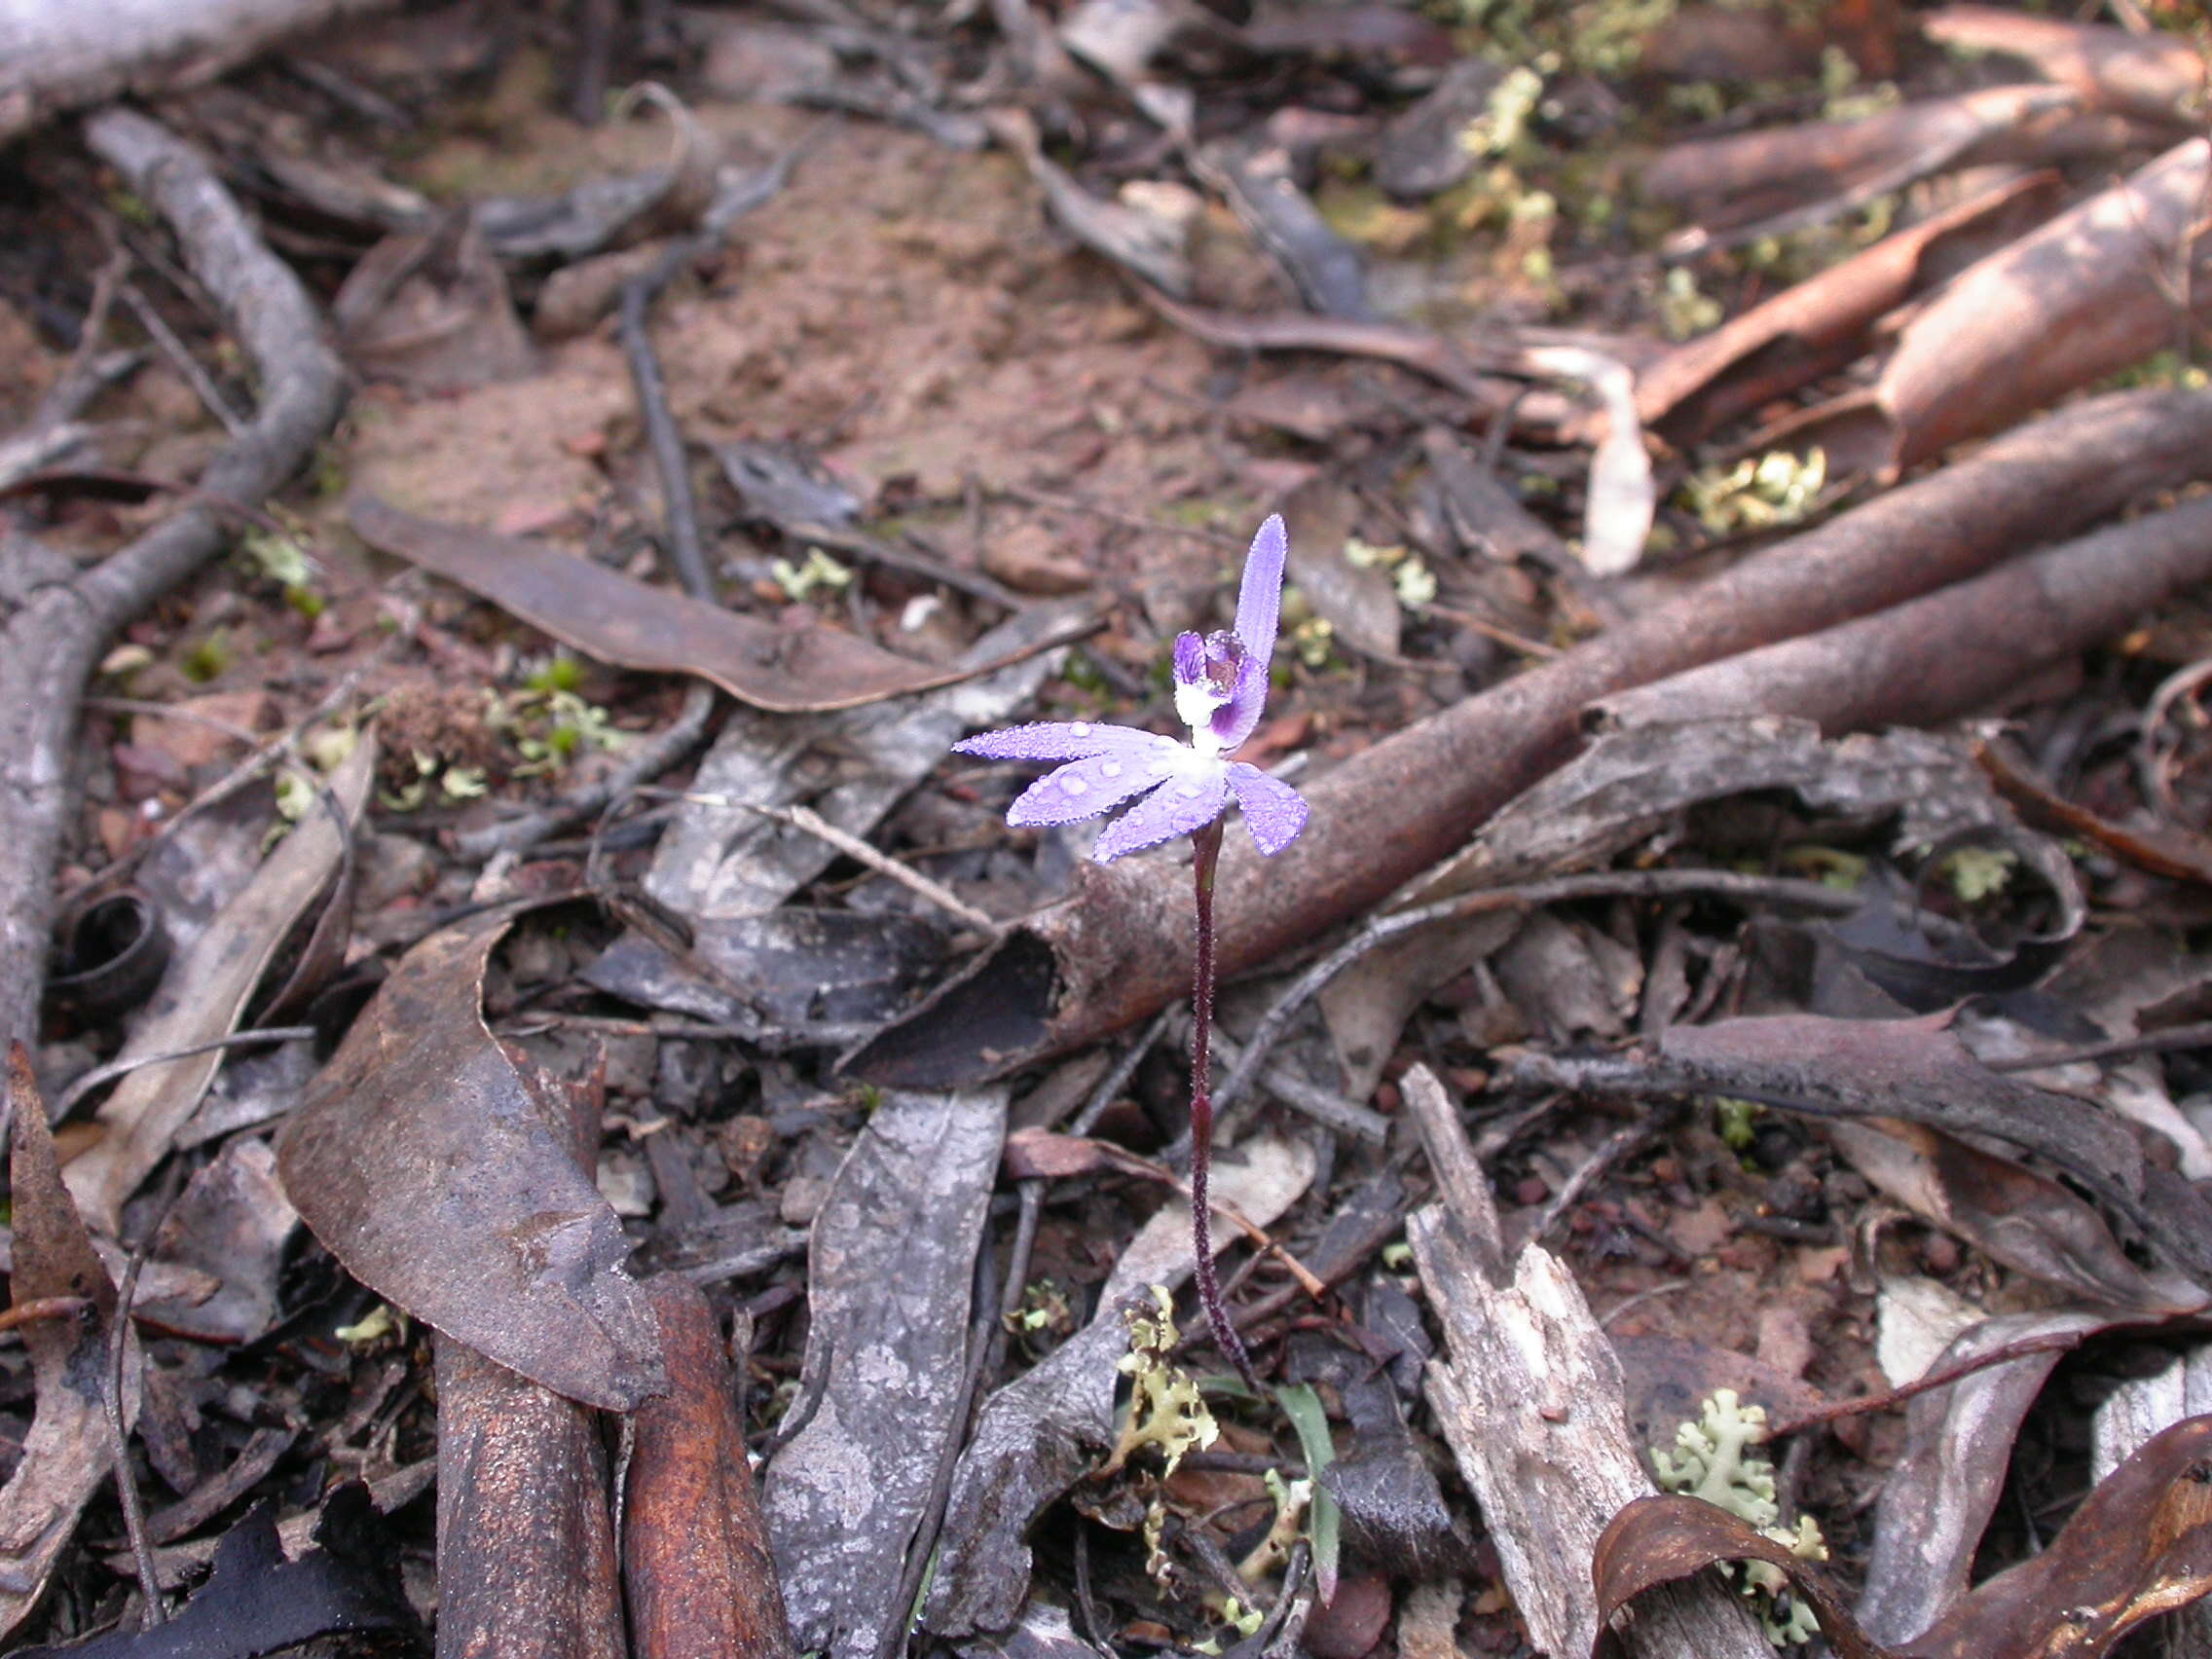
<point>1221,687</point>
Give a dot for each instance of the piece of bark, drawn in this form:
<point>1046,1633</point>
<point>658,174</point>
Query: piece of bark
<point>1953,652</point>
<point>56,55</point>
<point>2154,76</point>
<point>1819,325</point>
<point>1117,949</point>
<point>1744,177</point>
<point>526,1539</point>
<point>2096,290</point>
<point>1530,1396</point>
<point>699,1578</point>
<point>66,1455</point>
<point>526,1566</point>
<point>888,1289</point>
<point>53,640</point>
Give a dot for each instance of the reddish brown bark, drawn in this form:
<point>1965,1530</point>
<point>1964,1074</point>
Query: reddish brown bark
<point>1953,651</point>
<point>695,1560</point>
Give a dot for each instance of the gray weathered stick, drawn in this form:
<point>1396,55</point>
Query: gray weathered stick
<point>52,640</point>
<point>1529,1393</point>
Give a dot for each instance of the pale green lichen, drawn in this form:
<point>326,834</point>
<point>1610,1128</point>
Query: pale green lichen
<point>1713,1461</point>
<point>1165,1409</point>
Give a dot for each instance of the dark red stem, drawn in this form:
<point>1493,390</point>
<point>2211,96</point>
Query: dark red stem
<point>1206,855</point>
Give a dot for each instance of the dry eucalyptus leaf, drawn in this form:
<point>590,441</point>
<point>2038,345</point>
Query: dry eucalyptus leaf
<point>422,1160</point>
<point>605,614</point>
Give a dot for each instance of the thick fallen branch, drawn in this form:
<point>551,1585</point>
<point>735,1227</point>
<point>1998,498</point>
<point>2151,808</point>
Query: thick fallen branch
<point>1952,650</point>
<point>58,55</point>
<point>53,640</point>
<point>1115,950</point>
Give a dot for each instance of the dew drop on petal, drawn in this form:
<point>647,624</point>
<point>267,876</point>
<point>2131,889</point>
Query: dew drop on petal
<point>1074,786</point>
<point>1081,729</point>
<point>1111,769</point>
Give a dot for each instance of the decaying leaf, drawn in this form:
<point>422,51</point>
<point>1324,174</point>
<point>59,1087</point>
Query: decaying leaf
<point>205,992</point>
<point>609,616</point>
<point>2025,1220</point>
<point>65,1456</point>
<point>257,1602</point>
<point>722,859</point>
<point>2140,1545</point>
<point>1899,1068</point>
<point>888,1285</point>
<point>422,1162</point>
<point>1943,1489</point>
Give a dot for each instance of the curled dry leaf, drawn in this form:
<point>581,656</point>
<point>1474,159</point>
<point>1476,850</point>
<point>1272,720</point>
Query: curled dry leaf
<point>423,1162</point>
<point>1939,1496</point>
<point>2140,1545</point>
<point>2015,1215</point>
<point>205,994</point>
<point>65,1455</point>
<point>258,1600</point>
<point>609,616</point>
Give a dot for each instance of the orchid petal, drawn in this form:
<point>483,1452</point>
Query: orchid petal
<point>1098,783</point>
<point>1259,600</point>
<point>1059,740</point>
<point>1272,811</point>
<point>1188,802</point>
<point>1190,659</point>
<point>1234,721</point>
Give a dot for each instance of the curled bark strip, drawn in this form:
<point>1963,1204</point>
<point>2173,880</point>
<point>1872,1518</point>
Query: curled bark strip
<point>1116,950</point>
<point>2153,75</point>
<point>52,643</point>
<point>1822,323</point>
<point>1752,176</point>
<point>1955,649</point>
<point>2098,288</point>
<point>695,1560</point>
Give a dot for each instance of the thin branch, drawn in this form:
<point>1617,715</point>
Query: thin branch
<point>1632,883</point>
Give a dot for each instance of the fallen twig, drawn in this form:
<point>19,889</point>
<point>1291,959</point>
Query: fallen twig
<point>50,644</point>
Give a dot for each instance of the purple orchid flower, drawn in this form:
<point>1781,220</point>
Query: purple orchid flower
<point>1221,687</point>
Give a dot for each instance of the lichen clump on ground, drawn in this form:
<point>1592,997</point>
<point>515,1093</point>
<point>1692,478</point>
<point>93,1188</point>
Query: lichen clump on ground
<point>1713,1461</point>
